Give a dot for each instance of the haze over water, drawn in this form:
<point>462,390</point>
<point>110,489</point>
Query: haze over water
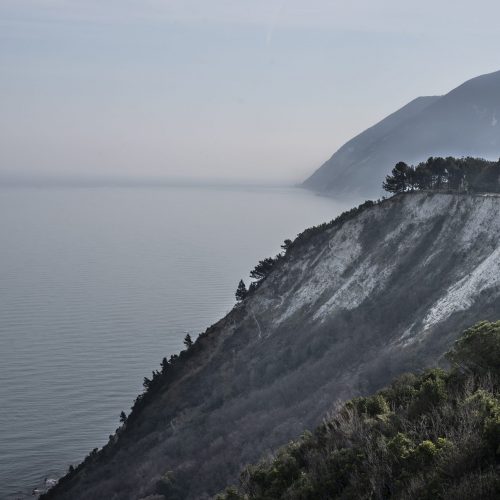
<point>97,285</point>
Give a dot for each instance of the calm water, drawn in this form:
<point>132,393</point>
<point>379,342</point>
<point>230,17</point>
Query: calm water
<point>97,285</point>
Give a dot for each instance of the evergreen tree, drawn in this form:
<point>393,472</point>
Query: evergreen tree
<point>286,245</point>
<point>164,365</point>
<point>398,182</point>
<point>263,268</point>
<point>390,184</point>
<point>422,177</point>
<point>241,291</point>
<point>188,341</point>
<point>123,417</point>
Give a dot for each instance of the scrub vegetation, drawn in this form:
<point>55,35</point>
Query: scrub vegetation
<point>435,435</point>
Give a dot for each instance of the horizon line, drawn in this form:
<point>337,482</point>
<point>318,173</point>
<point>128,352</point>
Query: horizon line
<point>68,181</point>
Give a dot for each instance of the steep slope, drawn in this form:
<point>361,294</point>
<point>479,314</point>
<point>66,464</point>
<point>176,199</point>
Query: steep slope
<point>432,435</point>
<point>464,122</point>
<point>351,305</point>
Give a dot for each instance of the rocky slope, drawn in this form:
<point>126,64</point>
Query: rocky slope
<point>434,436</point>
<point>351,305</point>
<point>461,123</point>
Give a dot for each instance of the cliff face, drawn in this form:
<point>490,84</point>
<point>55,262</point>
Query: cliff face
<point>461,123</point>
<point>345,311</point>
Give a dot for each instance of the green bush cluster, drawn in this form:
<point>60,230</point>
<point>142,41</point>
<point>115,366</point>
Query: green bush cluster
<point>430,436</point>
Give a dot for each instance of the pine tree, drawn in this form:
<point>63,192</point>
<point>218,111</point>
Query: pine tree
<point>241,291</point>
<point>123,417</point>
<point>263,268</point>
<point>286,245</point>
<point>164,365</point>
<point>398,181</point>
<point>188,341</point>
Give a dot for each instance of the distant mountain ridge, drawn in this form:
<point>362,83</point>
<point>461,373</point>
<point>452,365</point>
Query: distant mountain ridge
<point>464,122</point>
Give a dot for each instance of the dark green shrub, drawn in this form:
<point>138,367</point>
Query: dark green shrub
<point>423,437</point>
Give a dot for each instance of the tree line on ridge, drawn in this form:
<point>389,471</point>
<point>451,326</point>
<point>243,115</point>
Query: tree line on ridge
<point>449,174</point>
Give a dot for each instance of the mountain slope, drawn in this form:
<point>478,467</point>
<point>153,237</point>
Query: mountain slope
<point>434,435</point>
<point>357,150</point>
<point>463,122</point>
<point>351,305</point>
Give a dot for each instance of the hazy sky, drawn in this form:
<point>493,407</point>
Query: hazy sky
<point>257,90</point>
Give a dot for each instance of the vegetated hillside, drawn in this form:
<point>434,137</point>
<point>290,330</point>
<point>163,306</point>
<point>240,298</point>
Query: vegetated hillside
<point>463,122</point>
<point>352,304</point>
<point>429,436</point>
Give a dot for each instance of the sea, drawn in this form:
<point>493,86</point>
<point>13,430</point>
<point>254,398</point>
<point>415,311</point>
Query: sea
<point>98,284</point>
